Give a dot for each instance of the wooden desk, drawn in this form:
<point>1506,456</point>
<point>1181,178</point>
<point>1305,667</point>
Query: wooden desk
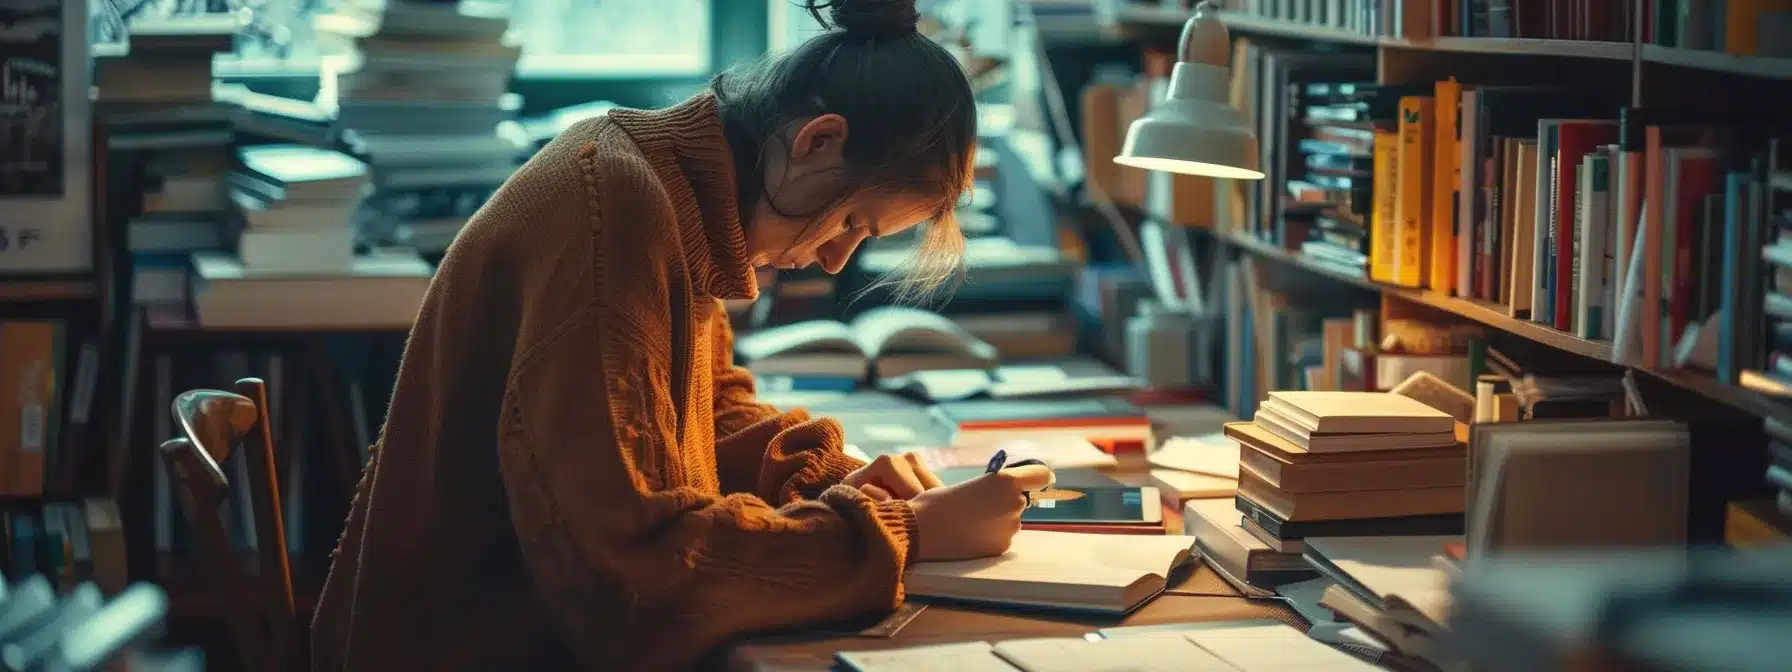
<point>1201,597</point>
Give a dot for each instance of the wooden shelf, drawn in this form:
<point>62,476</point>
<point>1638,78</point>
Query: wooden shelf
<point>1712,61</point>
<point>1495,317</point>
<point>74,289</point>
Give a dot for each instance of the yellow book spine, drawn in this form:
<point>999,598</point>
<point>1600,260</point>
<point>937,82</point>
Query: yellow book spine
<point>1444,227</point>
<point>1412,200</point>
<point>1381,210</point>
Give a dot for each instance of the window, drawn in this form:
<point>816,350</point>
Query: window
<point>561,38</point>
<point>791,24</point>
<point>582,37</point>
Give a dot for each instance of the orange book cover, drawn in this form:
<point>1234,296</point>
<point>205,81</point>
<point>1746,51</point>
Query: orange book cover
<point>28,396</point>
<point>1446,171</point>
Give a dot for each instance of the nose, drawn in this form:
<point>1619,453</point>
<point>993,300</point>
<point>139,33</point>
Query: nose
<point>837,252</point>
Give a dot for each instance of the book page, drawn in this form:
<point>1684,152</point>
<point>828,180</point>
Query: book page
<point>967,656</point>
<point>1071,562</point>
<point>1274,648</point>
<point>813,336</point>
<point>1153,554</point>
<point>1153,652</point>
<point>1213,454</point>
<point>891,330</point>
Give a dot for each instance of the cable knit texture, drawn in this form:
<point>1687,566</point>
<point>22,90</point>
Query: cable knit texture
<point>573,473</point>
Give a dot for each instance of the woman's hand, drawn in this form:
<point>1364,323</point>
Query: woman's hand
<point>976,518</point>
<point>900,477</point>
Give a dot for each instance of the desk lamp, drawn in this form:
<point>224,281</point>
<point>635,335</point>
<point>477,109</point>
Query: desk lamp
<point>1194,130</point>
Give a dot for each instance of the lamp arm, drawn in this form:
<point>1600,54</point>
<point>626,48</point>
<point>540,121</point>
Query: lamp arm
<point>1204,38</point>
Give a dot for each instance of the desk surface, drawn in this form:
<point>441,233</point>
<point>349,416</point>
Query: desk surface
<point>1201,596</point>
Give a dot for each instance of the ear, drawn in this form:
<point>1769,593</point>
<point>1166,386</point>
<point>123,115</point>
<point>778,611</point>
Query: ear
<point>820,139</point>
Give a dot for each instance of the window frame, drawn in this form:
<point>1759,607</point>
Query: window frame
<point>738,32</point>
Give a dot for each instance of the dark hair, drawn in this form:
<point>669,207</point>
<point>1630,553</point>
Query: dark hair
<point>908,104</point>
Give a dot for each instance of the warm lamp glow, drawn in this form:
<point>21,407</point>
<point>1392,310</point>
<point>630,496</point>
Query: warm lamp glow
<point>1194,130</point>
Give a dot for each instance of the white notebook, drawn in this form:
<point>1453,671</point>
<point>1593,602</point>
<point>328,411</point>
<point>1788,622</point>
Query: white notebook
<point>1091,572</point>
<point>1247,648</point>
<point>966,657</point>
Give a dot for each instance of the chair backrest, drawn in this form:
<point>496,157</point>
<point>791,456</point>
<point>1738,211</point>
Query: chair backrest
<point>214,425</point>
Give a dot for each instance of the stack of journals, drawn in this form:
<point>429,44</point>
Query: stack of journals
<point>1239,556</point>
<point>154,99</point>
<point>1348,463</point>
<point>297,206</point>
<point>422,98</point>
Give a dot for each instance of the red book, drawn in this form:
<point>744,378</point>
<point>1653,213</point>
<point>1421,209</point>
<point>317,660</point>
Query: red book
<point>1574,139</point>
<point>1694,171</point>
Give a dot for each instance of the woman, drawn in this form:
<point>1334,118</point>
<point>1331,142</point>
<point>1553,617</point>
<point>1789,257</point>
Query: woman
<point>573,473</point>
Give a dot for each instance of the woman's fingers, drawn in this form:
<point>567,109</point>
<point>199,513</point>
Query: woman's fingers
<point>922,474</point>
<point>876,494</point>
<point>1029,478</point>
<point>899,478</point>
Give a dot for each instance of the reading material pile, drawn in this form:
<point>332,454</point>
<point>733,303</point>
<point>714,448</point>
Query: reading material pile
<point>1316,464</point>
<point>297,207</point>
<point>423,97</point>
<point>155,102</point>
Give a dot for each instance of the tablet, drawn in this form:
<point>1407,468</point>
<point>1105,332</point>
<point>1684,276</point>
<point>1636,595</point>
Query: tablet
<point>1106,505</point>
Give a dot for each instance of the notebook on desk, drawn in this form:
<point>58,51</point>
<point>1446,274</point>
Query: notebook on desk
<point>1248,647</point>
<point>1061,570</point>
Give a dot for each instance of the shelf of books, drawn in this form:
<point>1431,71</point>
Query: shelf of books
<point>1711,38</point>
<point>1568,196</point>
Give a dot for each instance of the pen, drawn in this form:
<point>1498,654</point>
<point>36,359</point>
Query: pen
<point>999,461</point>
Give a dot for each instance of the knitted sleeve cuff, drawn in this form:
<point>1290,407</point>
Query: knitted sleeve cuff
<point>895,521</point>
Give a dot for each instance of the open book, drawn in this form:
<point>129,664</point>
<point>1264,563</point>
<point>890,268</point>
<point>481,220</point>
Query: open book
<point>1066,570</point>
<point>891,341</point>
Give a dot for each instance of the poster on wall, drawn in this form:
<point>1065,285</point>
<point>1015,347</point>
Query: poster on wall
<point>45,155</point>
<point>30,89</point>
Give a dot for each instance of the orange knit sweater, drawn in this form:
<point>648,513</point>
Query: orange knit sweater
<point>573,473</point>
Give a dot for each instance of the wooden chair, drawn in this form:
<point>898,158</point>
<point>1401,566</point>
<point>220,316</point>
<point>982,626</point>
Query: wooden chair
<point>263,619</point>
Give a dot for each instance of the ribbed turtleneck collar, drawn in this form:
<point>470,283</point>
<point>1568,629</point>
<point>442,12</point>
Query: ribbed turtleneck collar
<point>685,145</point>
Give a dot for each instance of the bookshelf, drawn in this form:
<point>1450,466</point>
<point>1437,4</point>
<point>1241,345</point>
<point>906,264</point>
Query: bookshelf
<point>1708,61</point>
<point>1494,317</point>
<point>21,291</point>
<point>1650,74</point>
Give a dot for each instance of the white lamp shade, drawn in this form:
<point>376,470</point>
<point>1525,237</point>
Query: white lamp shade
<point>1194,130</point>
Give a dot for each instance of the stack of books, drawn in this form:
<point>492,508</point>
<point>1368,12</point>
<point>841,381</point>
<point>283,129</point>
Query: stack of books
<point>154,98</point>
<point>1317,464</point>
<point>297,263</point>
<point>423,97</point>
<point>297,207</point>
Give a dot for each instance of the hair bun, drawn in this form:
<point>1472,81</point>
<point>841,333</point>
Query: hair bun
<point>872,18</point>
